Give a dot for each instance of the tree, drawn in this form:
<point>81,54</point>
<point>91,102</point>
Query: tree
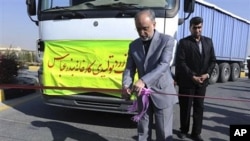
<point>8,67</point>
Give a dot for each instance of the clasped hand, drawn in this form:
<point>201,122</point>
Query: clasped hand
<point>200,79</point>
<point>137,87</point>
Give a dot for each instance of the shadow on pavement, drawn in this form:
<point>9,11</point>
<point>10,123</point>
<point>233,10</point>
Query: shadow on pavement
<point>16,93</point>
<point>61,131</point>
<point>223,117</point>
<point>37,108</point>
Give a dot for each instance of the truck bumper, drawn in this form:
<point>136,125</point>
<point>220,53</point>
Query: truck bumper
<point>88,102</point>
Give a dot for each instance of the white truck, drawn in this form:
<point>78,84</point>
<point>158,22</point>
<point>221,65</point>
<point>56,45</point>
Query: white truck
<point>84,44</point>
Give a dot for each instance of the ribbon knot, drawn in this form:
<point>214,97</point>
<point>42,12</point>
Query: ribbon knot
<point>145,103</point>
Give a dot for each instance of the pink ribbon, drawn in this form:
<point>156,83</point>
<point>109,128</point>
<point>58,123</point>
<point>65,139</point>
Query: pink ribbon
<point>145,103</point>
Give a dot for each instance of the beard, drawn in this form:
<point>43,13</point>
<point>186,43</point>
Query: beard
<point>146,38</point>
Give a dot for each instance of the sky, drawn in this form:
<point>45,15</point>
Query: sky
<point>17,30</point>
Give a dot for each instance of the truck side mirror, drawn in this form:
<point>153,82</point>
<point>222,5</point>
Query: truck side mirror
<point>189,6</point>
<point>31,7</point>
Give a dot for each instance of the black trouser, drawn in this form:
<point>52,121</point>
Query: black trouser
<point>186,104</point>
<point>248,67</point>
<point>248,73</point>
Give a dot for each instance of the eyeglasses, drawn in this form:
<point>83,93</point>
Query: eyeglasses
<point>196,27</point>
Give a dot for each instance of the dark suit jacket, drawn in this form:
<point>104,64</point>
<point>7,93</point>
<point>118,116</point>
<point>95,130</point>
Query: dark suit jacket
<point>190,62</point>
<point>153,68</point>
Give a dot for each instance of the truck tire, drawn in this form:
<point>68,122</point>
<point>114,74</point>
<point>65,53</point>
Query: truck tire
<point>225,71</point>
<point>215,74</point>
<point>235,72</point>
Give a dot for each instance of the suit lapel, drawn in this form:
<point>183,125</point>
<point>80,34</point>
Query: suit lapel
<point>141,50</point>
<point>195,47</point>
<point>153,46</point>
<point>197,50</point>
<point>204,48</point>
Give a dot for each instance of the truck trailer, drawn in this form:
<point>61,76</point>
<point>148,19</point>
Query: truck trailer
<point>231,38</point>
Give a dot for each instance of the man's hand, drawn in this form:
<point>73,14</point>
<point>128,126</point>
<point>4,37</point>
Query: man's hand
<point>198,79</point>
<point>137,87</point>
<point>204,77</point>
<point>126,92</point>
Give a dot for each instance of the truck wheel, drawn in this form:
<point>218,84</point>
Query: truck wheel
<point>225,71</point>
<point>215,75</point>
<point>235,72</point>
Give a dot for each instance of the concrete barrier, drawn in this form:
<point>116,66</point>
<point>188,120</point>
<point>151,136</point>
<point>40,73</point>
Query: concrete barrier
<point>2,97</point>
<point>243,74</point>
<point>24,79</point>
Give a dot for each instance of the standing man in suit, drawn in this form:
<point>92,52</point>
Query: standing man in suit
<point>150,56</point>
<point>195,61</point>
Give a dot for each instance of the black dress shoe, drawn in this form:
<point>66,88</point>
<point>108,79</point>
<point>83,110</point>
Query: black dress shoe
<point>196,137</point>
<point>182,135</point>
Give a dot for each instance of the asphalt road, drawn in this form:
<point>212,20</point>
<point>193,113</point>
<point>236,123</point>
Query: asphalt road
<point>29,119</point>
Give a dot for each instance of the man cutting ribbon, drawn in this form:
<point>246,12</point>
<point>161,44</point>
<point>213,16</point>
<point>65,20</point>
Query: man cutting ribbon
<point>150,55</point>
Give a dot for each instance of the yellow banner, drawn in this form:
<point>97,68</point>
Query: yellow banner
<point>84,63</point>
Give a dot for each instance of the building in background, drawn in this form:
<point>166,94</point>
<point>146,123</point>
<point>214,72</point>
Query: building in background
<point>23,56</point>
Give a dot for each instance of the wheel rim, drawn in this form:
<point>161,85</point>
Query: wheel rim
<point>236,72</point>
<point>227,72</point>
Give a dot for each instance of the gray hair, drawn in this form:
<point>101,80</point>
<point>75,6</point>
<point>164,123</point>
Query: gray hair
<point>149,12</point>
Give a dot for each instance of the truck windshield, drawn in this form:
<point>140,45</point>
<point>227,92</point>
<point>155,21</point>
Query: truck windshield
<point>60,5</point>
